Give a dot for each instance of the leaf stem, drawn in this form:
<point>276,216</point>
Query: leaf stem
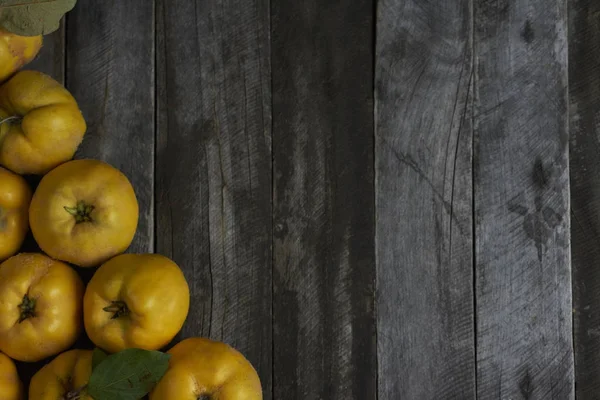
<point>11,118</point>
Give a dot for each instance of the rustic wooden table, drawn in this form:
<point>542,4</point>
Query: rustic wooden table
<point>398,199</point>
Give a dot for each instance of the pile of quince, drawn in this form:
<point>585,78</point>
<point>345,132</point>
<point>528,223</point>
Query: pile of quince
<point>84,214</point>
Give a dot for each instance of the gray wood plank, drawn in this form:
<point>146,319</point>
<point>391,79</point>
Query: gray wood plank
<point>51,58</point>
<point>110,71</point>
<point>523,274</point>
<point>324,260</point>
<point>425,311</point>
<point>214,167</point>
<point>584,88</point>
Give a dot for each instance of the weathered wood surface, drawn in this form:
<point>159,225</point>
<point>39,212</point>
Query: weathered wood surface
<point>584,83</point>
<point>425,309</point>
<point>324,259</point>
<point>523,277</point>
<point>106,60</point>
<point>110,71</point>
<point>51,59</point>
<point>213,163</point>
<point>362,216</point>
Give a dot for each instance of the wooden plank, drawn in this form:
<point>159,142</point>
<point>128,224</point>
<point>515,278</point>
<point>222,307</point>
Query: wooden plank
<point>110,71</point>
<point>51,58</point>
<point>323,282</point>
<point>214,167</point>
<point>584,85</point>
<point>524,318</point>
<point>425,311</point>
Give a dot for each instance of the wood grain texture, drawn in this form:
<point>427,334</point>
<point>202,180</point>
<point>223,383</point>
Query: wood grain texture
<point>523,275</point>
<point>584,87</point>
<point>425,314</point>
<point>51,58</point>
<point>323,283</point>
<point>214,167</point>
<point>110,71</point>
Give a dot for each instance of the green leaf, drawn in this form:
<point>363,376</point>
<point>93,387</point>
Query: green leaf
<point>33,17</point>
<point>97,357</point>
<point>127,375</point>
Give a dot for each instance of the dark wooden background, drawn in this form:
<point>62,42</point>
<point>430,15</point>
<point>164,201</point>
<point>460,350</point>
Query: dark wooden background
<point>393,200</point>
